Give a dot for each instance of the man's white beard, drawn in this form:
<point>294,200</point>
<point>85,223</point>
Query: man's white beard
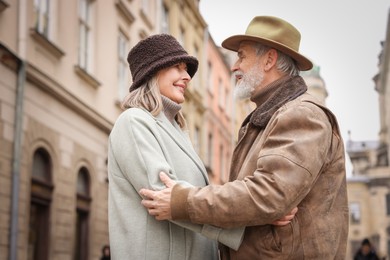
<point>248,83</point>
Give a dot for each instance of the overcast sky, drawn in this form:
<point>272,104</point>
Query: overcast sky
<point>341,36</point>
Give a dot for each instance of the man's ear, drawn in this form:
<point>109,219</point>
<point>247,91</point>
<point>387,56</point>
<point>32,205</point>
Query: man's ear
<point>271,58</point>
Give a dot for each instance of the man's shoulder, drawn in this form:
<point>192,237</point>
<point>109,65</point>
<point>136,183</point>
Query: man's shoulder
<point>308,100</point>
<point>304,100</point>
<point>307,97</point>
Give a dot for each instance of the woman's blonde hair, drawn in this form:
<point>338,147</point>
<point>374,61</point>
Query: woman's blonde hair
<point>148,96</point>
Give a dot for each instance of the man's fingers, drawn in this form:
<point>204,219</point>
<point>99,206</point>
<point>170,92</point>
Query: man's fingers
<point>280,223</point>
<point>153,212</point>
<point>157,203</point>
<point>291,215</point>
<point>166,180</point>
<point>148,204</point>
<point>147,193</point>
<point>294,211</point>
<point>287,217</point>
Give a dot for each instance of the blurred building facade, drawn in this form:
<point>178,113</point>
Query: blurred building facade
<point>315,83</point>
<point>218,116</point>
<point>369,185</point>
<point>63,74</point>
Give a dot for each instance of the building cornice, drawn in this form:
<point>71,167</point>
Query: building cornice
<point>195,10</point>
<point>53,88</point>
<point>8,58</point>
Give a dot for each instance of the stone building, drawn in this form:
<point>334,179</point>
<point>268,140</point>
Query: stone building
<point>63,74</point>
<point>218,116</point>
<point>369,186</point>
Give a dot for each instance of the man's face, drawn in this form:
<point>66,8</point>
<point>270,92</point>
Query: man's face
<point>247,71</point>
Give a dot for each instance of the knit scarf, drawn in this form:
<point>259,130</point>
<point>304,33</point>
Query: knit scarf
<point>284,90</point>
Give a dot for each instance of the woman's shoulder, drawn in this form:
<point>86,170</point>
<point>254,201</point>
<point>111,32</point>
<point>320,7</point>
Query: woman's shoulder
<point>136,114</point>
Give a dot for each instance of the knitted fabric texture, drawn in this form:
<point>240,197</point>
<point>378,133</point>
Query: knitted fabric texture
<point>154,53</point>
<point>171,108</point>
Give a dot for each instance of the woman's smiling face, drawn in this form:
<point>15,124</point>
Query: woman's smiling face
<point>173,82</point>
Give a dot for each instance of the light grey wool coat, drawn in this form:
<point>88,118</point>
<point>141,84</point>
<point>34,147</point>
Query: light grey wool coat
<point>140,146</point>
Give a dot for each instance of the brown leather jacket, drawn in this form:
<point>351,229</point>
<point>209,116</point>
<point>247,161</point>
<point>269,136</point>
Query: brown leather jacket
<point>297,159</point>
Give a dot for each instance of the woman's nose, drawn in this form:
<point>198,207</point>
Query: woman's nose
<point>186,76</point>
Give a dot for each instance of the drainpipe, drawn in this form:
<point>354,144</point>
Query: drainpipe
<point>18,132</point>
<point>16,156</point>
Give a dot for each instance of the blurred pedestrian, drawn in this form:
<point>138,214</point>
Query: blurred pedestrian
<point>366,251</point>
<point>106,254</point>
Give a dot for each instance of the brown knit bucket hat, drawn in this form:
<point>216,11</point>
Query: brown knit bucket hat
<point>154,53</point>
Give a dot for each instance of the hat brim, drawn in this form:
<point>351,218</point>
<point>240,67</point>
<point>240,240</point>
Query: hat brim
<point>233,43</point>
<point>192,67</point>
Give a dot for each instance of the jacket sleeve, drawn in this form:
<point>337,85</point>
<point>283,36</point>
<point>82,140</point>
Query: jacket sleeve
<point>293,152</point>
<point>135,144</point>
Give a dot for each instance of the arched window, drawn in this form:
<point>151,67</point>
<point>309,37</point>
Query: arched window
<point>41,196</point>
<point>82,214</point>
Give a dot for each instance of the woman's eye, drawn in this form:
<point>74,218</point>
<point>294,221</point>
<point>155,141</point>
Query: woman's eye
<point>181,66</point>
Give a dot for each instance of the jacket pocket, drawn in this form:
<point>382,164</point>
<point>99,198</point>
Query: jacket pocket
<point>285,238</point>
<point>276,241</point>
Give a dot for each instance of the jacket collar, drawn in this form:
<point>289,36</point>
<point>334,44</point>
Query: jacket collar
<point>274,96</point>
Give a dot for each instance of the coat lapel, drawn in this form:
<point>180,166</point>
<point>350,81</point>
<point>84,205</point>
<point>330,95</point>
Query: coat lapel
<point>182,141</point>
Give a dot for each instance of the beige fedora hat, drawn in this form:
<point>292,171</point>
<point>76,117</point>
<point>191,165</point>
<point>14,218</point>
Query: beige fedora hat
<point>273,32</point>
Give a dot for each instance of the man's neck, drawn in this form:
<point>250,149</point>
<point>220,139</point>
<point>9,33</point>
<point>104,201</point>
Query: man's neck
<point>263,90</point>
